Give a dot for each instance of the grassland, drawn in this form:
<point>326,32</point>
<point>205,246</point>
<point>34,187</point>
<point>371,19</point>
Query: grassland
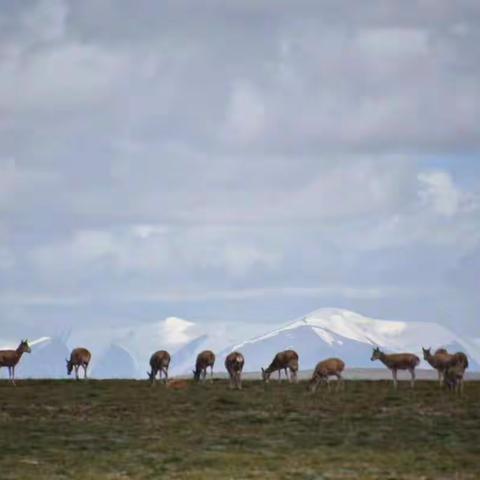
<point>127,430</point>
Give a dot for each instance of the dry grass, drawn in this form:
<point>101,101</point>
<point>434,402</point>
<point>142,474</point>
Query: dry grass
<point>128,430</point>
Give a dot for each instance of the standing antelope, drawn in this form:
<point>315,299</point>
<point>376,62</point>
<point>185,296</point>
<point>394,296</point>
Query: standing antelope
<point>159,363</point>
<point>441,360</point>
<point>397,361</point>
<point>10,358</point>
<point>287,359</point>
<point>205,359</point>
<point>327,368</point>
<point>234,365</point>
<point>80,357</point>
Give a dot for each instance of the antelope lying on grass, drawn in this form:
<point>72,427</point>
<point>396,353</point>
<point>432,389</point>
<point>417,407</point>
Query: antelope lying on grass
<point>287,359</point>
<point>205,359</point>
<point>80,357</point>
<point>159,363</point>
<point>178,384</point>
<point>234,365</point>
<point>327,368</point>
<point>397,361</point>
<point>441,360</point>
<point>10,358</point>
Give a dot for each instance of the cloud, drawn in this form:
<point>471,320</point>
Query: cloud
<point>232,161</point>
<point>440,192</point>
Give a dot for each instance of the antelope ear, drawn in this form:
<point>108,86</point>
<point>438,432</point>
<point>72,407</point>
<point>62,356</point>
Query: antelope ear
<point>263,370</point>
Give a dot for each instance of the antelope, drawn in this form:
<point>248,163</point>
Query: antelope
<point>10,358</point>
<point>441,360</point>
<point>453,377</point>
<point>177,384</point>
<point>80,357</point>
<point>234,365</point>
<point>159,363</point>
<point>286,360</point>
<point>397,361</point>
<point>205,359</point>
<point>327,368</point>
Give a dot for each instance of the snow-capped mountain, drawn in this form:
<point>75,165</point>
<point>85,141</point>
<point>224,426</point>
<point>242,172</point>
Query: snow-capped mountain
<point>116,362</point>
<point>337,332</point>
<point>324,333</point>
<point>183,360</point>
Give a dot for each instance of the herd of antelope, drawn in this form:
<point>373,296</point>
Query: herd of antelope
<point>450,367</point>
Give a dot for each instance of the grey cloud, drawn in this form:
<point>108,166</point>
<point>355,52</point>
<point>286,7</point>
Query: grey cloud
<point>283,156</point>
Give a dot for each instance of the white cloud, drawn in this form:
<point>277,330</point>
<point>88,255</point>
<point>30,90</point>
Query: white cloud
<point>439,192</point>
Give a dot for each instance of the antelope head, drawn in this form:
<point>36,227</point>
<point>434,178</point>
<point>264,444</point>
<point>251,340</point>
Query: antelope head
<point>265,375</point>
<point>426,353</point>
<point>376,354</point>
<point>196,374</point>
<point>24,347</point>
<point>69,366</point>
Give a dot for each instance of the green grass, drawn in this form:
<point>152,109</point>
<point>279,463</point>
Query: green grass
<point>128,430</point>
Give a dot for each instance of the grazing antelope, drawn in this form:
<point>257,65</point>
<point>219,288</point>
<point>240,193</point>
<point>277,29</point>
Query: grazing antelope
<point>397,361</point>
<point>205,359</point>
<point>327,368</point>
<point>159,363</point>
<point>234,365</point>
<point>10,358</point>
<point>453,377</point>
<point>287,359</point>
<point>80,357</point>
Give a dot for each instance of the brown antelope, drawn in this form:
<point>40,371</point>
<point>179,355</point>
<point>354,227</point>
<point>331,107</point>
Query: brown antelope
<point>286,360</point>
<point>80,357</point>
<point>453,377</point>
<point>397,361</point>
<point>205,359</point>
<point>178,384</point>
<point>441,360</point>
<point>159,363</point>
<point>10,358</point>
<point>327,368</point>
<point>234,365</point>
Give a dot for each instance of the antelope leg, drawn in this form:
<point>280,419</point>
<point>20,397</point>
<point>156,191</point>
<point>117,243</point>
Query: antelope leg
<point>394,374</point>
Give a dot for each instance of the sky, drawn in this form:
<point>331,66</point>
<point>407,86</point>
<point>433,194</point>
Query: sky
<point>237,164</point>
